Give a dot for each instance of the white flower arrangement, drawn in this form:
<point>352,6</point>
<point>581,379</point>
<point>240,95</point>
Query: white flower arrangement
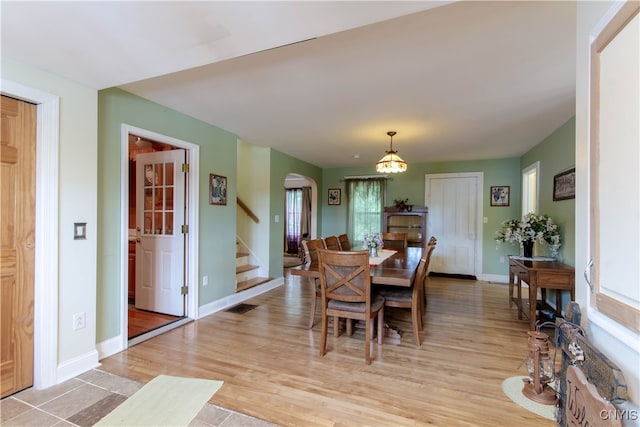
<point>531,227</point>
<point>373,241</point>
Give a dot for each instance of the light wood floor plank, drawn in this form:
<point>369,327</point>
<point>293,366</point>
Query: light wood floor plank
<point>269,361</point>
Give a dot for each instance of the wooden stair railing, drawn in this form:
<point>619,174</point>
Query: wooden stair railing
<point>248,211</point>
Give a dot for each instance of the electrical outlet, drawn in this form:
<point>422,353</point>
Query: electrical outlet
<point>501,260</point>
<point>79,321</point>
<point>205,280</point>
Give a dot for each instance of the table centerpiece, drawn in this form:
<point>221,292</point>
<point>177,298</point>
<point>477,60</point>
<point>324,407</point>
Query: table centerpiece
<point>373,242</point>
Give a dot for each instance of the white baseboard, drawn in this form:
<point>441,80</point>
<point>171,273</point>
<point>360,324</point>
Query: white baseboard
<point>231,300</point>
<point>110,347</point>
<point>77,366</point>
<point>494,278</point>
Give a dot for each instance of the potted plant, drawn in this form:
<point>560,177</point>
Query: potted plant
<point>528,230</point>
<point>402,205</point>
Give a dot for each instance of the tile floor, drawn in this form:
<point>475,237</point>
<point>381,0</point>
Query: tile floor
<point>84,400</point>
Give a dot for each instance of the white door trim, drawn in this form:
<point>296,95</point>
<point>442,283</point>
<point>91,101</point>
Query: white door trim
<point>193,158</point>
<point>45,328</point>
<point>479,209</point>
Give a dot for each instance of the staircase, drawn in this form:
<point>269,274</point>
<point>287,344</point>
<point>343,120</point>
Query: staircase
<point>247,273</point>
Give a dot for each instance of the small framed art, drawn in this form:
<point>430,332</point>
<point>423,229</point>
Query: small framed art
<point>499,195</point>
<point>217,189</point>
<point>564,185</point>
<point>334,196</point>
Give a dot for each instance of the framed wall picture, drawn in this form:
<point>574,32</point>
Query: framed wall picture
<point>499,195</point>
<point>217,189</point>
<point>564,185</point>
<point>334,196</point>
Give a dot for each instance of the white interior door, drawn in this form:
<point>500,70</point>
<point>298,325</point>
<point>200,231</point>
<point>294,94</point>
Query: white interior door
<point>453,211</point>
<point>160,214</point>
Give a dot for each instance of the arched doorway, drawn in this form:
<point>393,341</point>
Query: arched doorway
<point>301,207</point>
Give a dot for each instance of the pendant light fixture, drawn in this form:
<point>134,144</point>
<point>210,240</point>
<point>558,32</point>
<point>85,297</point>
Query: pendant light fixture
<point>391,162</point>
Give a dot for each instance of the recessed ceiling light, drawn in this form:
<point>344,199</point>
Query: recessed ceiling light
<point>356,156</point>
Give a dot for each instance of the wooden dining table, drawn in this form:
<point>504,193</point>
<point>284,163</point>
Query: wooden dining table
<point>397,270</point>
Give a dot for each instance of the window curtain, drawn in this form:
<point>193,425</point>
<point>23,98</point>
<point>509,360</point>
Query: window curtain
<point>297,218</point>
<point>365,207</point>
<point>293,202</point>
<point>305,214</point>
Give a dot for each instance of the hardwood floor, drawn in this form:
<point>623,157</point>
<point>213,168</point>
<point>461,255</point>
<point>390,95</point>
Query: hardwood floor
<point>269,361</point>
<point>142,321</point>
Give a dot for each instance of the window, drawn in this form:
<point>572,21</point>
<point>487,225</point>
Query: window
<point>530,188</point>
<point>365,206</point>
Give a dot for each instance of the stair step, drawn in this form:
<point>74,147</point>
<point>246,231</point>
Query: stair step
<point>251,283</point>
<point>241,254</point>
<point>245,268</point>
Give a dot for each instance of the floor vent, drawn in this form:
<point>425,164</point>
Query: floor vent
<point>241,308</point>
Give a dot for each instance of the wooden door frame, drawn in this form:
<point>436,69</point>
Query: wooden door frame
<point>479,211</point>
<point>191,264</point>
<point>45,328</point>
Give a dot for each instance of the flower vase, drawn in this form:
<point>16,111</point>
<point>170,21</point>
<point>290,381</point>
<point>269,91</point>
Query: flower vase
<point>528,248</point>
<point>373,252</point>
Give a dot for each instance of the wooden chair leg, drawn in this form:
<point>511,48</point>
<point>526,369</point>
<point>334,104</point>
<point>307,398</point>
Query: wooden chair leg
<point>415,320</point>
<point>420,309</point>
<point>380,325</point>
<point>349,327</point>
<point>424,293</point>
<point>323,333</point>
<point>367,343</point>
<point>336,326</point>
<point>314,299</point>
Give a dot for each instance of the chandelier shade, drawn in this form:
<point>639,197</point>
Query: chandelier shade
<point>391,162</point>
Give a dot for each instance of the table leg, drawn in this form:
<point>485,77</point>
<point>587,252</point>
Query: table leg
<point>519,298</point>
<point>533,299</point>
<point>511,287</point>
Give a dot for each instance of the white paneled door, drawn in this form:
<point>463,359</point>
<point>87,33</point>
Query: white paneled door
<point>160,248</point>
<point>453,219</point>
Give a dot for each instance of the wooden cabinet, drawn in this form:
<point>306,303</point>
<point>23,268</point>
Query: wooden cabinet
<point>413,222</point>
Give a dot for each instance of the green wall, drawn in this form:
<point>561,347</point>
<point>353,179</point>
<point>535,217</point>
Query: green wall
<point>556,154</point>
<point>218,151</point>
<point>282,165</point>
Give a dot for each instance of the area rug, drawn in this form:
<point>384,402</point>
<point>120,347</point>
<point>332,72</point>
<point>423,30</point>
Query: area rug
<point>512,387</point>
<point>163,401</point>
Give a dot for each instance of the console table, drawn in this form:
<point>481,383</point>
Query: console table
<point>541,275</point>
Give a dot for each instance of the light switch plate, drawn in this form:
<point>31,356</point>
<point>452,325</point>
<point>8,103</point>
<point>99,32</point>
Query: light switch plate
<point>79,231</point>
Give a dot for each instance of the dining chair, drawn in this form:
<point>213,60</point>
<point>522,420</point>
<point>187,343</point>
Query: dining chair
<point>345,244</point>
<point>345,282</point>
<point>310,248</point>
<point>411,297</point>
<point>397,241</point>
<point>332,243</point>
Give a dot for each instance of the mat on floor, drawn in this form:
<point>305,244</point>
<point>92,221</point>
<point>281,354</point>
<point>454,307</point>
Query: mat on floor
<point>163,401</point>
<point>512,387</point>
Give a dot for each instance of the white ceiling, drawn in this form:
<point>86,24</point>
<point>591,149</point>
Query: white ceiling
<point>456,80</point>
